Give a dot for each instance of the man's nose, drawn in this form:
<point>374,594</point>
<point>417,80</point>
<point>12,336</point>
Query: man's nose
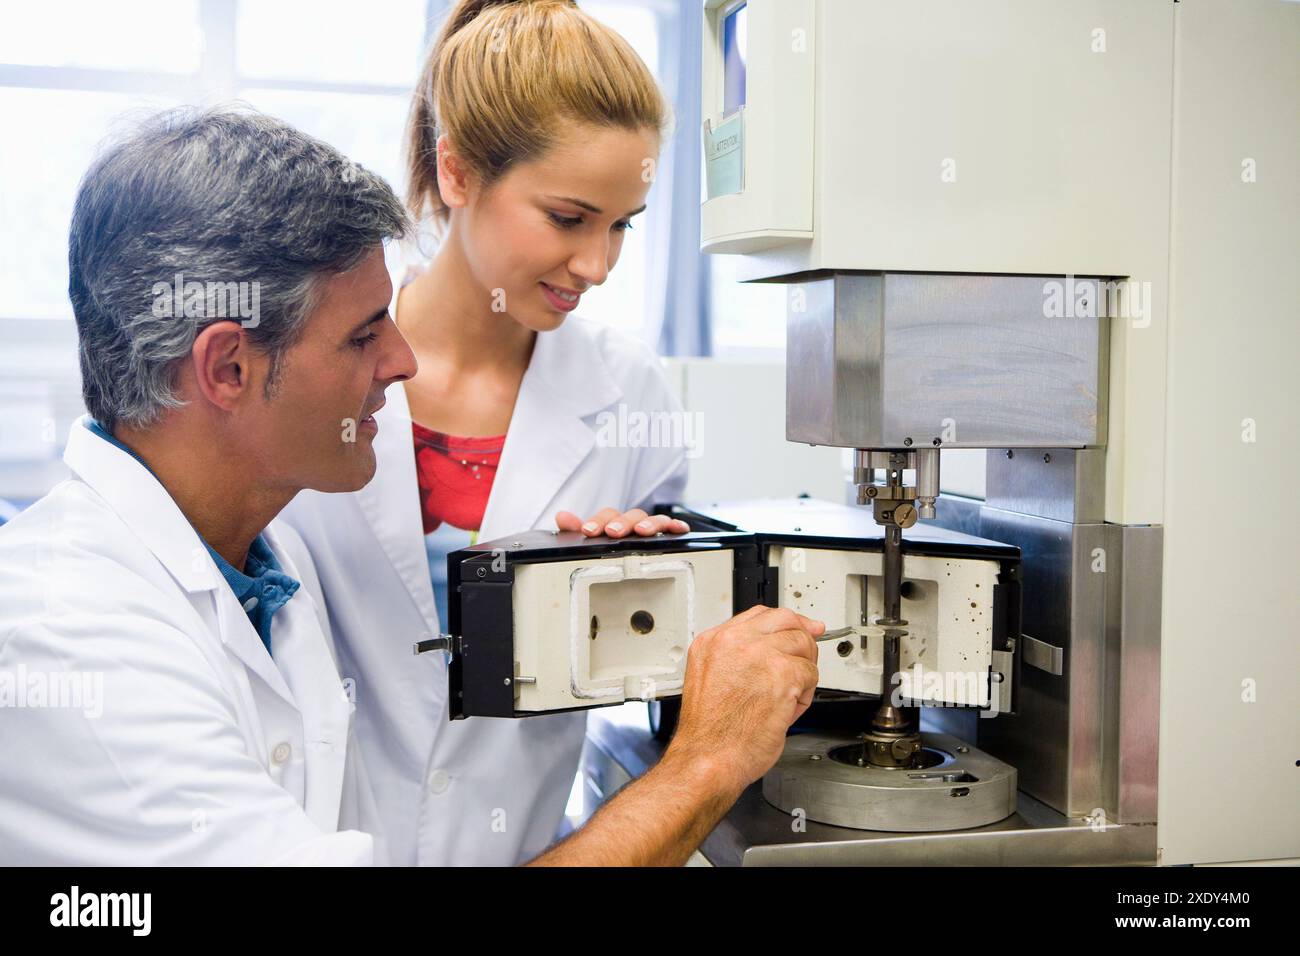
<point>398,362</point>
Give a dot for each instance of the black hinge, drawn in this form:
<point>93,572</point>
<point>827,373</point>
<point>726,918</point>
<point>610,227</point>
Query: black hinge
<point>754,584</point>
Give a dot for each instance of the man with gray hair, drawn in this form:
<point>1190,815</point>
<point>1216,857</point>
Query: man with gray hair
<point>227,277</point>
<point>231,298</point>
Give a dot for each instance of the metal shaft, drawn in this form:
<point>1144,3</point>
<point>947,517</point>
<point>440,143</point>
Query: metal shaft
<point>891,666</point>
<point>892,740</point>
<point>893,576</point>
<point>895,741</point>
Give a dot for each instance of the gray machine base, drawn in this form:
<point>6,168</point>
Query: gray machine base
<point>755,833</point>
<point>966,788</point>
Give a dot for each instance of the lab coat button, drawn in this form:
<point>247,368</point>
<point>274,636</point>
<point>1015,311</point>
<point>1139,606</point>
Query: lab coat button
<point>281,753</point>
<point>439,781</point>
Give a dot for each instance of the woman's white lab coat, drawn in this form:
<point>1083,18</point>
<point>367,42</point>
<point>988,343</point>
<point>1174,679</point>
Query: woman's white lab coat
<point>141,719</point>
<point>482,791</point>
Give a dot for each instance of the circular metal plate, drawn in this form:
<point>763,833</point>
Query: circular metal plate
<point>960,791</point>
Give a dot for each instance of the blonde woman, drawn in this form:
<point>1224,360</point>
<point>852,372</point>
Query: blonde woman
<point>531,135</point>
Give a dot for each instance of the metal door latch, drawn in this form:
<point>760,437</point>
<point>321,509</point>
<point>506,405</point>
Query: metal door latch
<point>449,644</point>
<point>1044,656</point>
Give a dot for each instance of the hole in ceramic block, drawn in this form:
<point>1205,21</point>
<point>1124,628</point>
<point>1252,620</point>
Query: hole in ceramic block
<point>643,626</point>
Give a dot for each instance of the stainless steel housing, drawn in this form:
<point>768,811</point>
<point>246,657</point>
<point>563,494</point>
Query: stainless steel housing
<point>900,360</point>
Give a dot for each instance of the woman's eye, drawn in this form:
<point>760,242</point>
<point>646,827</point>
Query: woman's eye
<point>565,222</point>
<point>364,340</point>
<point>623,226</point>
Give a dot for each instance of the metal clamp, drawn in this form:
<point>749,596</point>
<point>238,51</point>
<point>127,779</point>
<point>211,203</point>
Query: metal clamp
<point>1044,656</point>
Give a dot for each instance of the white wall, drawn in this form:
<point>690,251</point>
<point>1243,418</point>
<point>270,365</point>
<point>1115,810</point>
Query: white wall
<point>743,451</point>
<point>40,396</point>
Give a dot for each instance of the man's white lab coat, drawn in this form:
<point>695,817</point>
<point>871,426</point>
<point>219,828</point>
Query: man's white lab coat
<point>142,720</point>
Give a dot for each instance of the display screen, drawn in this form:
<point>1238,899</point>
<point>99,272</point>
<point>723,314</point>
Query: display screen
<point>735,37</point>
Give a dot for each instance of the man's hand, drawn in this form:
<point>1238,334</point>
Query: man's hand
<point>619,524</point>
<point>747,681</point>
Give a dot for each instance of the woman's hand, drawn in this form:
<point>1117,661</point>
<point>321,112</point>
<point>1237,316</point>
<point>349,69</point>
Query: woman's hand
<point>615,524</point>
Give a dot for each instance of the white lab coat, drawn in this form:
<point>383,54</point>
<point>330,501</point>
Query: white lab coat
<point>482,791</point>
<point>205,751</point>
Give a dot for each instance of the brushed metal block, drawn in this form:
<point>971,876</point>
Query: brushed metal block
<point>888,360</point>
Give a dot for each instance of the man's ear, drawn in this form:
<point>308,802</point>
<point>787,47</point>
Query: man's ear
<point>454,179</point>
<point>220,360</point>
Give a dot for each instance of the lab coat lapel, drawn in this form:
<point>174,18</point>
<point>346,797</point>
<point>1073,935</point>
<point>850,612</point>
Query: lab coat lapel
<point>548,438</point>
<point>318,694</point>
<point>138,498</point>
<point>391,503</point>
<point>242,640</point>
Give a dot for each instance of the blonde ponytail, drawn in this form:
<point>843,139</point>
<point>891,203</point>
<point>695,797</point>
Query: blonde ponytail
<point>500,77</point>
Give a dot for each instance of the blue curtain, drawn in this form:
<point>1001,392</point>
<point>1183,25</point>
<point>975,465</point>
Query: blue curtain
<point>677,267</point>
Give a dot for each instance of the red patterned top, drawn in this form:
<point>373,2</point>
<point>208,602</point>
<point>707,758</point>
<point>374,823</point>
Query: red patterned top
<point>455,477</point>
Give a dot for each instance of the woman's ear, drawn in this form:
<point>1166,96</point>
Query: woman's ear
<point>454,180</point>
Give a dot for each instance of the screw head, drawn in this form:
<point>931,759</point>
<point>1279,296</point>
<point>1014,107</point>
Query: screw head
<point>907,442</point>
<point>1047,458</point>
<point>1010,453</point>
<point>938,442</point>
<point>482,572</point>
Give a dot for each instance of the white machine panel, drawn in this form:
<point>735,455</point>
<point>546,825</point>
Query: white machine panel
<point>611,629</point>
<point>1230,637</point>
<point>947,602</point>
<point>1042,147</point>
<point>617,628</point>
<point>758,113</point>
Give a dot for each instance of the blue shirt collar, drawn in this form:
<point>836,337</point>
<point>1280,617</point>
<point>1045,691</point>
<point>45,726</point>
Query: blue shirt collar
<point>262,588</point>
